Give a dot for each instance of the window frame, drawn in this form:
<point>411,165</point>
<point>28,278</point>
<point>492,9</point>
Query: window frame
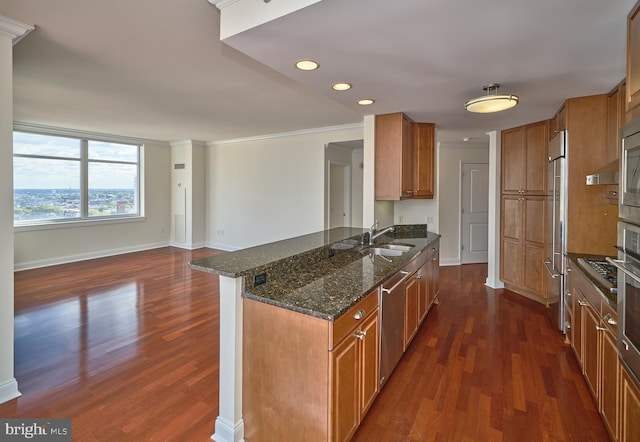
<point>85,138</point>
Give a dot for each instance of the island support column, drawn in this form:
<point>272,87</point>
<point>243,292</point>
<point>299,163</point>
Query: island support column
<point>229,424</point>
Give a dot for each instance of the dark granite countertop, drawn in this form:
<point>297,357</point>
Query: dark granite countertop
<point>610,298</point>
<point>312,282</point>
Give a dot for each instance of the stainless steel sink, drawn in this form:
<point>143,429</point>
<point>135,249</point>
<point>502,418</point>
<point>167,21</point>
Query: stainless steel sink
<point>387,249</point>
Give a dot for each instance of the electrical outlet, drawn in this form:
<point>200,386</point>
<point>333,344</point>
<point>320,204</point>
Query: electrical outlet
<point>429,220</point>
<point>259,279</point>
<point>400,219</point>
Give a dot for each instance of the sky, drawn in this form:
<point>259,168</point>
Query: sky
<point>61,167</point>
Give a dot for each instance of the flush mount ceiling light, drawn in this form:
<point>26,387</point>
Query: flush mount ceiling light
<point>341,86</point>
<point>492,102</point>
<point>307,65</point>
<point>366,102</point>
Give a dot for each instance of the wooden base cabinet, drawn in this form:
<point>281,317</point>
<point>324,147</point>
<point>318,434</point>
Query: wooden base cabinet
<point>593,338</point>
<point>305,378</point>
<point>629,408</point>
<point>428,288</point>
<point>355,377</point>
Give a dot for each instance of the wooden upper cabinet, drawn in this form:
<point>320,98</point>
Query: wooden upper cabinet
<point>404,158</point>
<point>633,59</point>
<point>524,159</point>
<point>424,155</point>
<point>616,117</point>
<point>558,123</point>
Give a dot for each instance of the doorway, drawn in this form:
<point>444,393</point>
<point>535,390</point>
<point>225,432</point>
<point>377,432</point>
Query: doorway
<point>474,222</point>
<point>344,184</point>
<point>339,194</point>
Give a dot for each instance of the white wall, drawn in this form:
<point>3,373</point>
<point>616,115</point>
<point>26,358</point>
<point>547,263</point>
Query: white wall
<point>268,189</point>
<point>449,196</point>
<point>36,248</point>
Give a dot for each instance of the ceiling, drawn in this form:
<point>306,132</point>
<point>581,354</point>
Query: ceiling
<point>157,70</point>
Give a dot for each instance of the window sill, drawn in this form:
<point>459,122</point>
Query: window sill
<point>50,225</point>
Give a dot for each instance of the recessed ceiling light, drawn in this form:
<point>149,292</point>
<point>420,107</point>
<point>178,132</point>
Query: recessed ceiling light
<point>366,102</point>
<point>341,86</point>
<point>307,65</point>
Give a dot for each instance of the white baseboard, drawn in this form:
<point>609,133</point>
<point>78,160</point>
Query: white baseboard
<point>449,262</point>
<point>84,256</point>
<point>225,247</point>
<point>227,431</point>
<point>189,246</point>
<point>9,390</point>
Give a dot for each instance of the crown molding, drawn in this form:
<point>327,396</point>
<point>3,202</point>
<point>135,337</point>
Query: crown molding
<point>221,4</point>
<point>23,126</point>
<point>286,134</point>
<point>14,29</point>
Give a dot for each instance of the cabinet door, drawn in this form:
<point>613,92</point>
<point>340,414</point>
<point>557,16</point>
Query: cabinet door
<point>388,157</point>
<point>423,296</point>
<point>513,160</point>
<point>610,382</point>
<point>512,213</point>
<point>615,119</point>
<point>590,349</point>
<point>407,157</point>
<point>579,305</point>
<point>346,372</point>
<point>412,292</point>
<point>424,155</point>
<point>630,409</point>
<point>536,154</point>
<point>633,58</point>
<point>434,275</point>
<point>369,358</point>
<point>534,219</point>
<point>533,276</point>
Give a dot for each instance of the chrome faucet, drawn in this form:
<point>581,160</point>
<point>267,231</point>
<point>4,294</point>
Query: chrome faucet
<point>373,232</point>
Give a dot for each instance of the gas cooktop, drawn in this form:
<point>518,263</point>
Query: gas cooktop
<point>602,271</point>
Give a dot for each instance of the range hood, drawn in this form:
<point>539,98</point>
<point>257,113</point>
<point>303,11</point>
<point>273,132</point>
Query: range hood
<point>606,175</point>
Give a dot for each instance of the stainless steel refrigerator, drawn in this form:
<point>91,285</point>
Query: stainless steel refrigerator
<point>556,227</point>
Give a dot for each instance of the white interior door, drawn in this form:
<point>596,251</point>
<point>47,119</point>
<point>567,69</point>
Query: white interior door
<point>339,189</point>
<point>474,213</point>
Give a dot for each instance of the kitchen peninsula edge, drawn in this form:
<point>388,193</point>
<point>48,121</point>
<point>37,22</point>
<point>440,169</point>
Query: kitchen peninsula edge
<point>322,274</point>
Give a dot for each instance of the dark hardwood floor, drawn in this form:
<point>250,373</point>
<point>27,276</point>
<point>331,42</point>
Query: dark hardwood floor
<point>487,365</point>
<point>127,347</point>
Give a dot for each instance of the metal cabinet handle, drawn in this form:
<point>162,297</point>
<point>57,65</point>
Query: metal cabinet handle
<point>598,328</point>
<point>609,319</point>
<point>567,325</point>
<point>361,334</point>
<point>582,303</point>
<point>360,314</point>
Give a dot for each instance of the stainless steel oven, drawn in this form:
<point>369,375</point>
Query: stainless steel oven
<point>630,171</point>
<point>628,305</point>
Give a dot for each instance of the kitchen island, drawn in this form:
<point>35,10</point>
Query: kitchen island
<point>284,290</point>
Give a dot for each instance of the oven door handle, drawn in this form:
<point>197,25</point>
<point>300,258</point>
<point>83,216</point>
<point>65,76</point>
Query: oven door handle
<point>620,265</point>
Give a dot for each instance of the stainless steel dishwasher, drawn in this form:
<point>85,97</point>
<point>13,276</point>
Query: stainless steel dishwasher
<point>392,294</point>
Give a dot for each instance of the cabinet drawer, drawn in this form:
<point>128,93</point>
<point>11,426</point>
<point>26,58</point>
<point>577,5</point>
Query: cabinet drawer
<point>355,316</point>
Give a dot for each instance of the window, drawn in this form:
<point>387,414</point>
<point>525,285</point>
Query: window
<point>58,179</point>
